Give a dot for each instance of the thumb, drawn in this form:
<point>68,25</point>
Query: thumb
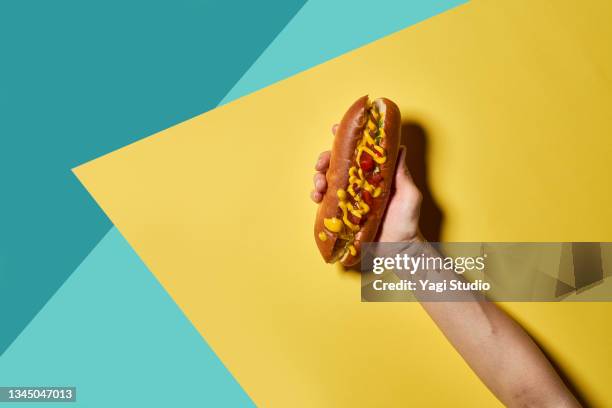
<point>403,178</point>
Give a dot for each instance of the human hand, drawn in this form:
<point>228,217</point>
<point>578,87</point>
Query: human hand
<point>401,220</point>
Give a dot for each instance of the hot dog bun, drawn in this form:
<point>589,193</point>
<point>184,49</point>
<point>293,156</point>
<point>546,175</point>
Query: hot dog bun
<point>370,168</point>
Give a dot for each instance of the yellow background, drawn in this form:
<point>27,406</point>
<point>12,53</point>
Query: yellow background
<point>515,98</point>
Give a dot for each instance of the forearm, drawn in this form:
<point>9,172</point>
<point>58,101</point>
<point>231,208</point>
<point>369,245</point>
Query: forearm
<point>499,351</point>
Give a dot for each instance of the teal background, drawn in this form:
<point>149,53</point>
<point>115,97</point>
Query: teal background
<point>118,349</point>
<point>82,78</point>
<point>324,29</point>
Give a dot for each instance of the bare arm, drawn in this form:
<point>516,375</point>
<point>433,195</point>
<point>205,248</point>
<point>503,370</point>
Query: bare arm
<point>499,351</point>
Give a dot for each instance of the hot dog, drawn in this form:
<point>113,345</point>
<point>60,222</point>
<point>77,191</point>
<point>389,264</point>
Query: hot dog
<point>359,179</point>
